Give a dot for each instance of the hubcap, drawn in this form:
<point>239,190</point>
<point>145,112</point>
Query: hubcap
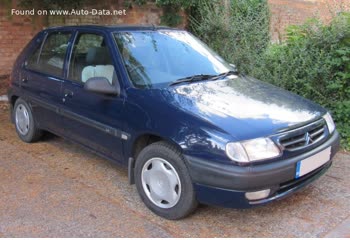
<point>22,119</point>
<point>161,183</point>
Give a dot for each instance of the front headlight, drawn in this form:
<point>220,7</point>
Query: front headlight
<point>236,152</point>
<point>330,123</point>
<point>252,150</point>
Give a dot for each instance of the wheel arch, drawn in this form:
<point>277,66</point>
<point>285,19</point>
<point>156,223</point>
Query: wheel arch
<point>12,101</point>
<point>140,143</point>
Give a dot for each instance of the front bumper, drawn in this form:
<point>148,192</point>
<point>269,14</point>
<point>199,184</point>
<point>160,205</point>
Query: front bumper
<point>226,185</point>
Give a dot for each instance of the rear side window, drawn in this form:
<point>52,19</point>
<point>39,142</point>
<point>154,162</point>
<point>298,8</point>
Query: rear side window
<point>50,59</point>
<point>91,58</point>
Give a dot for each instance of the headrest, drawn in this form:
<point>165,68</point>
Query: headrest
<point>98,56</point>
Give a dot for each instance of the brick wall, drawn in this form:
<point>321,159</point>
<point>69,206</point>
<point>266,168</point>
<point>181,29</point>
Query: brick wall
<point>287,12</point>
<point>15,33</point>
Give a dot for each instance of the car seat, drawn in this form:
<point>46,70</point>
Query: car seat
<point>98,64</point>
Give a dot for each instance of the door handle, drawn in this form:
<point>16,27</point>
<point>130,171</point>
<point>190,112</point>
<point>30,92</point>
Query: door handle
<point>68,93</point>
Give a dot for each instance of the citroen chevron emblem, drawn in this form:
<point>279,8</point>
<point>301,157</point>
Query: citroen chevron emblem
<point>308,139</point>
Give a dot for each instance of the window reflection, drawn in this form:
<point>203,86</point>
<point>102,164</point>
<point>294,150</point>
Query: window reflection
<point>244,99</point>
<point>156,58</point>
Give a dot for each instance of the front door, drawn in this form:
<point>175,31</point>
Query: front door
<point>93,119</point>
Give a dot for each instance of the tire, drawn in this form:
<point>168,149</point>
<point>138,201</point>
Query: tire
<point>157,168</point>
<point>25,123</point>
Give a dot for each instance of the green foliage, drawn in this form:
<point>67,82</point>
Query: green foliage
<point>171,9</point>
<point>171,16</point>
<point>181,3</point>
<point>314,62</point>
<point>237,29</point>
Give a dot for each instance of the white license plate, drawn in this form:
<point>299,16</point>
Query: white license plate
<point>311,163</point>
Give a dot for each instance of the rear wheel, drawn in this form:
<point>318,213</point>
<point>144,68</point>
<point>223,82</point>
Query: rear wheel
<point>163,182</point>
<point>25,122</point>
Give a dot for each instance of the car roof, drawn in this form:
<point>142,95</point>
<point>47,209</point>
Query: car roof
<point>112,28</point>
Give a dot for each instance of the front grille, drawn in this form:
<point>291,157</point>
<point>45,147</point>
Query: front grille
<point>304,137</point>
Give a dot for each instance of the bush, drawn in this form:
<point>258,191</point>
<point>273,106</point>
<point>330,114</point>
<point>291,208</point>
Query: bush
<point>314,62</point>
<point>238,30</point>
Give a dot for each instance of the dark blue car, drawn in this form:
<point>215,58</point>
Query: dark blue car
<point>189,128</point>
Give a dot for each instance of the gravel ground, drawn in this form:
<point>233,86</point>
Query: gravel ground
<point>56,189</point>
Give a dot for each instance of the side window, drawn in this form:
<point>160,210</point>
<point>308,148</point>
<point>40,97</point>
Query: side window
<point>91,58</point>
<point>53,52</point>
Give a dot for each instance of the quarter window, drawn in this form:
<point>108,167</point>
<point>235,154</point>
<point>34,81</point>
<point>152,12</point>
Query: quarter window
<point>32,61</point>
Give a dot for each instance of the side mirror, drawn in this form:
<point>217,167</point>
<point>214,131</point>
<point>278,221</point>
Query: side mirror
<point>234,68</point>
<point>101,85</point>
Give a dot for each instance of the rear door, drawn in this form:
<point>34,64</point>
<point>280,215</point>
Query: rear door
<point>42,78</point>
<point>93,119</point>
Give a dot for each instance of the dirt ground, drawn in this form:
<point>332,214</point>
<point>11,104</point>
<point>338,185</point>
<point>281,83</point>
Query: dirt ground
<point>56,189</point>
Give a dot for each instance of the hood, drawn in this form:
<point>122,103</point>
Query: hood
<point>245,107</point>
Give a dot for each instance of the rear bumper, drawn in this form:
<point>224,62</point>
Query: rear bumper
<point>226,185</point>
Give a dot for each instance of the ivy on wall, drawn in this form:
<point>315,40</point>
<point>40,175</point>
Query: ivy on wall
<point>171,9</point>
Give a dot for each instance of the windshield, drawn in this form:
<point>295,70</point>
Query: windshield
<point>155,59</point>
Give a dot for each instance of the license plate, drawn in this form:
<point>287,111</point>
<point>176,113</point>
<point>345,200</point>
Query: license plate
<point>311,163</point>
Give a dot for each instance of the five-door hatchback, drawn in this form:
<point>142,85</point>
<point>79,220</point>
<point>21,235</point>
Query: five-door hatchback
<point>189,128</point>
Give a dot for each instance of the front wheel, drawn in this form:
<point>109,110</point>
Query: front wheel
<point>163,182</point>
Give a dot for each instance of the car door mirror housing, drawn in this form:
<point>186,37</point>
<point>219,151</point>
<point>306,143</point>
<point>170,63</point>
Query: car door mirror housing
<point>101,85</point>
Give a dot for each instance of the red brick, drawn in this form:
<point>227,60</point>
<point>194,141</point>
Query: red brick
<point>287,12</point>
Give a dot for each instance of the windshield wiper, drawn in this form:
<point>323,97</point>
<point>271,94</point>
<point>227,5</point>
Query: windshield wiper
<point>193,78</point>
<point>225,74</point>
<point>202,77</point>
